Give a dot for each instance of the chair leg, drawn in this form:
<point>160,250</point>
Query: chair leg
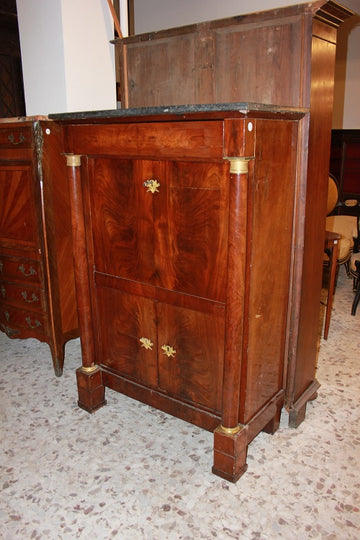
<point>357,288</point>
<point>356,300</point>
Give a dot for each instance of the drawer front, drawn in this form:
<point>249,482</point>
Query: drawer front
<point>193,139</point>
<point>23,296</point>
<point>30,321</point>
<point>19,215</point>
<point>16,137</point>
<point>17,269</point>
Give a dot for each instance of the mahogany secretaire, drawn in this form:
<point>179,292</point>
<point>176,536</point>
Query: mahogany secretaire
<point>37,288</point>
<point>183,227</point>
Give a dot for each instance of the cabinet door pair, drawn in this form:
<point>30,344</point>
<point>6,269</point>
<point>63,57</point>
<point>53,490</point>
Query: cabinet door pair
<point>163,226</point>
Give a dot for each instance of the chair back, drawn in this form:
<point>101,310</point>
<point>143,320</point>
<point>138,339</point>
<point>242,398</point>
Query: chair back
<point>333,194</point>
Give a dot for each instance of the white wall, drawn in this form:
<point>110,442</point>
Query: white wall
<point>68,62</point>
<point>43,60</point>
<point>151,15</point>
<point>351,117</point>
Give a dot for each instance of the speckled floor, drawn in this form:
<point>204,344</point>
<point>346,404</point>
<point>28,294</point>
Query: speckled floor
<point>131,472</point>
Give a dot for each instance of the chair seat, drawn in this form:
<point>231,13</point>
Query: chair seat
<point>352,265</point>
<point>346,226</point>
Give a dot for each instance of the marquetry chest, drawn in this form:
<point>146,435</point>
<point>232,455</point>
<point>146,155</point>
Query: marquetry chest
<point>37,290</point>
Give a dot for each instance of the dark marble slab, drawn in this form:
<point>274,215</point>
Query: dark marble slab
<point>179,110</point>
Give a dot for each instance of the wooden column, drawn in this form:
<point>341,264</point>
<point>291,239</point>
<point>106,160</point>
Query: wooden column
<point>89,377</point>
<point>230,438</point>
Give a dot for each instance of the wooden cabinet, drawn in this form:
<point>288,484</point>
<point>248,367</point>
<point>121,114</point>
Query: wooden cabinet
<point>283,57</point>
<point>37,289</point>
<point>183,227</point>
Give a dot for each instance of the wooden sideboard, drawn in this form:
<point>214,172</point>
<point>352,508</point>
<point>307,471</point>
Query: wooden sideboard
<point>37,287</point>
<point>183,228</point>
<point>283,57</point>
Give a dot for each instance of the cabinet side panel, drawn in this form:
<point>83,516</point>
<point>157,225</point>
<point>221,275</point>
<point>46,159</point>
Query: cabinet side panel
<point>271,201</point>
<point>58,228</point>
<point>322,77</point>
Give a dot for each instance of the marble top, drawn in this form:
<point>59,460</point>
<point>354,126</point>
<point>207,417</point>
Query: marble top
<point>239,107</point>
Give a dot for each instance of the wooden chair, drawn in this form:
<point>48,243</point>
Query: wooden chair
<point>345,225</point>
<point>355,272</point>
<point>341,236</point>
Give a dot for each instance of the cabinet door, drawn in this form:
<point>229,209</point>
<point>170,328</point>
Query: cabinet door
<point>18,222</point>
<point>163,223</point>
<point>194,256</point>
<point>191,352</point>
<point>127,341</point>
<point>123,213</point>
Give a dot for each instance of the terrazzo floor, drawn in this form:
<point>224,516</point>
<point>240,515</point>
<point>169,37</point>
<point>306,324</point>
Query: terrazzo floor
<point>131,472</point>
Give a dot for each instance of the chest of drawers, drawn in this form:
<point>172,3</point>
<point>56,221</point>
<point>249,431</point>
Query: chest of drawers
<point>183,231</point>
<point>37,290</point>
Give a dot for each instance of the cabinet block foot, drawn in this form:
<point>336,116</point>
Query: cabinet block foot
<point>274,423</point>
<point>90,389</point>
<point>297,412</point>
<point>230,452</point>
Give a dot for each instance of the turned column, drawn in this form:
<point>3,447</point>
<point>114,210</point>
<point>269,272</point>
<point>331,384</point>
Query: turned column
<point>230,438</point>
<point>89,378</point>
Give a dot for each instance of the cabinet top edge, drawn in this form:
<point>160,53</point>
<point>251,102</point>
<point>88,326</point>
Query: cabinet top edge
<point>183,112</point>
<point>22,119</point>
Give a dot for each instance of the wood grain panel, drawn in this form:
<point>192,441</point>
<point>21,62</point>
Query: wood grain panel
<point>122,216</point>
<point>273,50</point>
<point>123,320</point>
<point>154,140</point>
<point>195,371</point>
<point>272,201</point>
<point>18,222</point>
<point>159,238</point>
<point>196,216</point>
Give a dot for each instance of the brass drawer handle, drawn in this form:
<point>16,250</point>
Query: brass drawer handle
<point>11,138</point>
<point>31,272</point>
<point>169,351</point>
<point>36,323</point>
<point>152,185</point>
<point>3,291</point>
<point>7,315</point>
<point>11,332</point>
<point>1,266</point>
<point>146,343</point>
<point>30,300</point>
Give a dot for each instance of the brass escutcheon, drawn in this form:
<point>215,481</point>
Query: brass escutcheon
<point>169,351</point>
<point>146,343</point>
<point>152,185</point>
